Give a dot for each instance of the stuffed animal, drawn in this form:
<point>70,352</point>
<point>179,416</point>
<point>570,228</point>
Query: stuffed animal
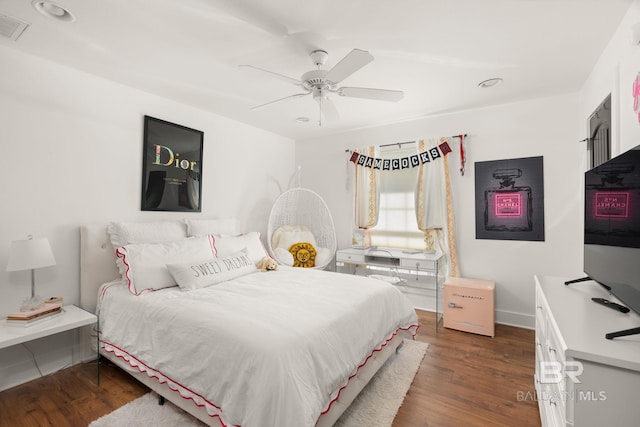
<point>267,264</point>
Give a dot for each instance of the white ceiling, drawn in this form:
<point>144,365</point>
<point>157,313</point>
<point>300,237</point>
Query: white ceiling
<point>436,51</point>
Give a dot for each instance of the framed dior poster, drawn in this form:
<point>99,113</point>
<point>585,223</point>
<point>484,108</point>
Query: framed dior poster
<point>171,167</point>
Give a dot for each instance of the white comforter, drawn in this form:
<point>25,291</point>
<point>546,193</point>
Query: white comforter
<point>266,349</point>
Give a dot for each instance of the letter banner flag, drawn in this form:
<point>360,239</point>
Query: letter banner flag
<point>403,162</point>
<point>444,147</point>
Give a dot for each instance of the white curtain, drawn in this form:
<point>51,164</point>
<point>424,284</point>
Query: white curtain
<point>367,192</point>
<point>434,210</point>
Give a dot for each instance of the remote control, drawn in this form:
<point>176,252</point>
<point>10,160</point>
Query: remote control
<point>610,304</point>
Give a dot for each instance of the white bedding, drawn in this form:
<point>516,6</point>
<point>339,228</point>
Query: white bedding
<point>266,349</point>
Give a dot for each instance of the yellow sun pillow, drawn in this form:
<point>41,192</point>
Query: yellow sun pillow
<point>304,254</point>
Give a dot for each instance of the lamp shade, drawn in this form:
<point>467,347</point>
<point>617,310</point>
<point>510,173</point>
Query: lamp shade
<point>29,254</point>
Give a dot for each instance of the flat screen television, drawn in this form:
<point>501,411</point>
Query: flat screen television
<point>612,228</point>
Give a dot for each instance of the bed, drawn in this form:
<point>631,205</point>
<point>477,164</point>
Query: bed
<point>291,347</point>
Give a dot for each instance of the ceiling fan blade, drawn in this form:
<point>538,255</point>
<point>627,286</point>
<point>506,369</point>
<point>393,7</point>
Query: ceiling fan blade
<point>348,65</point>
<point>273,73</point>
<point>295,95</point>
<point>328,109</point>
<point>368,93</point>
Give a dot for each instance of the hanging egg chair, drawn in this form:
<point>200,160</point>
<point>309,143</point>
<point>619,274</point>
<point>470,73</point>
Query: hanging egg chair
<point>301,232</point>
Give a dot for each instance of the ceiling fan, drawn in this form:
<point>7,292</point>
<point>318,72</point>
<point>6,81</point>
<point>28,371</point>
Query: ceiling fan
<point>321,83</point>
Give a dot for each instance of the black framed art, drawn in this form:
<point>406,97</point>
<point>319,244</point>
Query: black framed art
<point>510,199</point>
<point>171,167</point>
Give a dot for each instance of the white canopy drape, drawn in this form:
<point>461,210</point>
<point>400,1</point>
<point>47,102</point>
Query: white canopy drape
<point>367,192</point>
<point>434,210</point>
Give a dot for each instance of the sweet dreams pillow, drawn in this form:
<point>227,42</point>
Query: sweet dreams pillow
<point>146,263</point>
<point>211,271</point>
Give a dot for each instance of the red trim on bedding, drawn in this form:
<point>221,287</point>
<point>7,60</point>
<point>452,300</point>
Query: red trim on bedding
<point>375,350</point>
<point>212,243</point>
<point>164,379</point>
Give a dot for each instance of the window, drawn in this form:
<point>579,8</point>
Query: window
<point>397,226</point>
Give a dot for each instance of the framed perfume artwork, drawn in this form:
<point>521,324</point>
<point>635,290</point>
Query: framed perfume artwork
<point>171,167</point>
<point>510,199</point>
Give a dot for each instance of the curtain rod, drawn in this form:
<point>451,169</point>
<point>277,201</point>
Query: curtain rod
<point>400,144</point>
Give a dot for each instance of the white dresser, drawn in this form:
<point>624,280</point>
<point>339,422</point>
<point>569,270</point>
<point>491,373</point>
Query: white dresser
<point>583,379</point>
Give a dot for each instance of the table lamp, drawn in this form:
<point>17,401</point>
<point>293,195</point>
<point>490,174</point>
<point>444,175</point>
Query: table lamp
<point>28,255</point>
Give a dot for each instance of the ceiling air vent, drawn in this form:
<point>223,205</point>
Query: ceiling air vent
<point>11,27</point>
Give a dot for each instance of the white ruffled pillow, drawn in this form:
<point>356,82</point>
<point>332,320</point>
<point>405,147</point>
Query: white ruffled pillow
<point>211,271</point>
<point>146,263</point>
<point>202,227</point>
<point>230,245</point>
<point>126,233</point>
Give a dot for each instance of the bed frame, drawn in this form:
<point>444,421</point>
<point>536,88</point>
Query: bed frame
<point>98,266</point>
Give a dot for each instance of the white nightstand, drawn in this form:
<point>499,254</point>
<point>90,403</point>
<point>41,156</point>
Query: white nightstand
<point>72,318</point>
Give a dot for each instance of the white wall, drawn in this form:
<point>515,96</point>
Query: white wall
<point>614,73</point>
<point>71,151</point>
<point>71,154</point>
<point>543,127</point>
<point>548,127</point>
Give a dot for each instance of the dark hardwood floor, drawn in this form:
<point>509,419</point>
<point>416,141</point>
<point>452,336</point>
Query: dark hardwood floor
<point>472,380</point>
<point>464,380</point>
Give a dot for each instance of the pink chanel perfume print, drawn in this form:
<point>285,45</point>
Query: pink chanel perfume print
<point>508,206</point>
<point>510,199</point>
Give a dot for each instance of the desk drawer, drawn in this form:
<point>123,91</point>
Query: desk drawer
<point>418,264</point>
<point>349,257</point>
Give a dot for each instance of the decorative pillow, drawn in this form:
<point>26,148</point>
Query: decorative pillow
<point>287,235</point>
<point>126,233</point>
<point>203,227</point>
<point>304,254</point>
<point>283,256</point>
<point>146,263</point>
<point>229,245</point>
<point>323,256</point>
<point>211,271</point>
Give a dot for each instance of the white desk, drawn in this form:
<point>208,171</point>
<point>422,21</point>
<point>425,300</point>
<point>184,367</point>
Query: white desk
<point>421,272</point>
<point>72,318</point>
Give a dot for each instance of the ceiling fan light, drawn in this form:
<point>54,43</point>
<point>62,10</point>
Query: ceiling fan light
<point>490,82</point>
<point>53,10</point>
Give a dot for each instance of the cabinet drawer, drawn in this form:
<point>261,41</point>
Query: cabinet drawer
<point>553,407</point>
<point>418,264</point>
<point>349,257</point>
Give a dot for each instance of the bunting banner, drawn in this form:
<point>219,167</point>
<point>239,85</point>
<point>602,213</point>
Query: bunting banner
<point>402,162</point>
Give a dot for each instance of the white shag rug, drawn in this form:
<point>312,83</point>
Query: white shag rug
<point>376,406</point>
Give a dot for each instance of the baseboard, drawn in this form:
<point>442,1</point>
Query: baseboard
<point>520,320</point>
<point>509,318</point>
